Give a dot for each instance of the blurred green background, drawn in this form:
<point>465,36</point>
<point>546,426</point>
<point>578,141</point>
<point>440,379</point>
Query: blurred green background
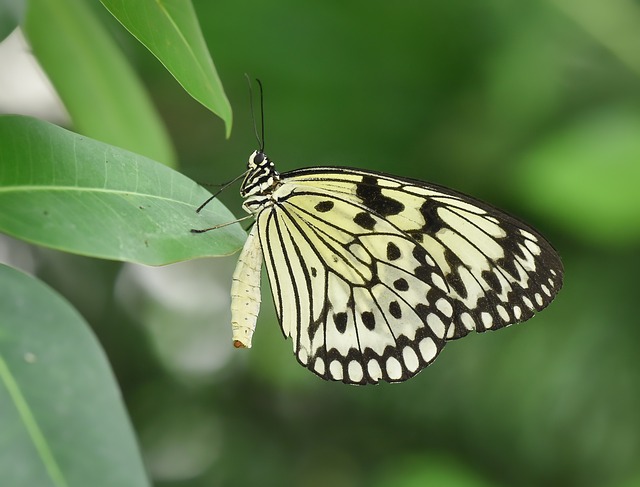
<point>531,105</point>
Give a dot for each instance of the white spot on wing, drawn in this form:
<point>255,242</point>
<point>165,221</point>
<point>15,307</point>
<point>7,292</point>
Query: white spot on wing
<point>467,321</point>
<point>487,319</point>
<point>318,366</point>
<point>410,359</point>
<point>394,369</point>
<point>436,325</point>
<point>386,183</point>
<point>527,302</point>
<point>503,312</point>
<point>375,372</point>
<point>355,371</point>
<point>335,369</point>
<point>517,312</point>
<point>529,235</point>
<point>445,307</point>
<point>437,281</point>
<point>428,349</point>
<point>534,248</point>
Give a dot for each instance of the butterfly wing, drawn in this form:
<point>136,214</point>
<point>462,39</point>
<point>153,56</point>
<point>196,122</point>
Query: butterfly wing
<point>371,273</point>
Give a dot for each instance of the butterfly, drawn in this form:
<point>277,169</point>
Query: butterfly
<point>372,274</point>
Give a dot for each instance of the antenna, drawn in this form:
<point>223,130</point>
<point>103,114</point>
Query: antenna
<point>224,186</point>
<point>259,138</point>
<point>221,225</point>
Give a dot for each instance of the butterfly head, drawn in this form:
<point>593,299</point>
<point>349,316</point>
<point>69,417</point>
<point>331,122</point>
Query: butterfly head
<point>260,181</point>
<point>258,159</point>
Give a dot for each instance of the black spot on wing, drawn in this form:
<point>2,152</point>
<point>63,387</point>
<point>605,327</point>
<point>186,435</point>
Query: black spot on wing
<point>371,195</point>
<point>433,222</point>
<point>401,284</point>
<point>508,263</point>
<point>393,252</point>
<point>324,206</point>
<point>340,319</point>
<point>365,220</point>
<point>423,271</point>
<point>455,281</point>
<point>394,309</point>
<point>492,279</point>
<point>420,254</point>
<point>369,320</point>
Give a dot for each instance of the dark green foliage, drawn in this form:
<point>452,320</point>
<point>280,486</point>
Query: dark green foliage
<point>532,106</point>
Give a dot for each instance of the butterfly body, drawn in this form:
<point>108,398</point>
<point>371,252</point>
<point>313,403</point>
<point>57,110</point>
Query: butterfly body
<point>372,274</point>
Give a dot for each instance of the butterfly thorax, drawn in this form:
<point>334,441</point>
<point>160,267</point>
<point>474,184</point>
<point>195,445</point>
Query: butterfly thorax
<point>260,183</point>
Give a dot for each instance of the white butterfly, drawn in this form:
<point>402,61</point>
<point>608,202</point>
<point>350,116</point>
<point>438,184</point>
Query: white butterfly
<point>371,274</point>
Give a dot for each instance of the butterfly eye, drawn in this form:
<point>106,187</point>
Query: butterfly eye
<point>258,158</point>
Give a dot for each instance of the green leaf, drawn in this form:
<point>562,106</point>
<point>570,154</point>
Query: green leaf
<point>63,422</point>
<point>615,24</point>
<point>170,30</point>
<point>75,194</point>
<point>589,174</point>
<point>101,92</point>
<point>11,13</point>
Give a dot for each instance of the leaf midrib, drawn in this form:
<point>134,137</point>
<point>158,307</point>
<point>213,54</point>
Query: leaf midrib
<point>31,425</point>
<point>22,188</point>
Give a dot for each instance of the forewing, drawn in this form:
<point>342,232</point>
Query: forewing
<point>497,270</point>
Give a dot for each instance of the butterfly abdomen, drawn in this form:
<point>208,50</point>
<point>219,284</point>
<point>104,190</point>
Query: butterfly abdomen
<point>245,292</point>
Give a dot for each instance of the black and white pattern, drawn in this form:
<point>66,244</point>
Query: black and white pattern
<point>371,274</point>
